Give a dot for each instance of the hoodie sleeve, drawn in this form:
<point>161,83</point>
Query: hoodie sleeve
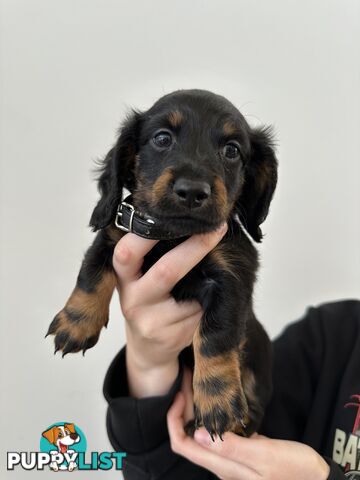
<point>315,369</point>
<point>335,471</point>
<point>296,369</point>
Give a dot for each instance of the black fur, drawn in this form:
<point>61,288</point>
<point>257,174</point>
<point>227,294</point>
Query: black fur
<point>241,187</point>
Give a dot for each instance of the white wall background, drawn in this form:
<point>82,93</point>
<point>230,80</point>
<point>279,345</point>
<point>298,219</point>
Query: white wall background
<point>69,70</point>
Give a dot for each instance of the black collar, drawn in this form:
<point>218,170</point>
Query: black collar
<point>129,219</point>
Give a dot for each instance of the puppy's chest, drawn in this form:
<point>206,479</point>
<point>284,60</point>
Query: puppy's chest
<point>197,284</point>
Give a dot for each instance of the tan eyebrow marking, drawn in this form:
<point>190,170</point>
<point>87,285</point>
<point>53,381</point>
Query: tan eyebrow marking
<point>229,128</point>
<point>175,118</point>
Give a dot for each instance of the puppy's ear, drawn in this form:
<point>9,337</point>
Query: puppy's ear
<point>116,172</point>
<point>50,435</point>
<point>260,182</point>
<point>70,427</point>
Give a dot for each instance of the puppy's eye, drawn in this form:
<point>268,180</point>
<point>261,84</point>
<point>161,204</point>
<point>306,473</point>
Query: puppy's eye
<point>231,151</point>
<point>163,139</point>
<point>60,435</point>
<point>67,432</point>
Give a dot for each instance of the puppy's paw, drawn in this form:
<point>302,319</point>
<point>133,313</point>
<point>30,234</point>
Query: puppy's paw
<point>220,406</point>
<point>219,399</point>
<point>73,332</point>
<point>72,466</point>
<point>78,325</point>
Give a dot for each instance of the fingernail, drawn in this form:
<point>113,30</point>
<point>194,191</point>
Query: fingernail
<point>201,436</point>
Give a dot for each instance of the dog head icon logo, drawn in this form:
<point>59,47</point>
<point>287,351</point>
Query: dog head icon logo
<point>63,440</point>
<point>62,436</point>
<point>63,448</point>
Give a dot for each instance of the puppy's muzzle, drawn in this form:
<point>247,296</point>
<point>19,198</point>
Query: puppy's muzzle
<point>191,193</point>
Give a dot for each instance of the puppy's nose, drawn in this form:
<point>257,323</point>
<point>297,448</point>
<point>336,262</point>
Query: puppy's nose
<point>191,193</point>
<point>73,436</point>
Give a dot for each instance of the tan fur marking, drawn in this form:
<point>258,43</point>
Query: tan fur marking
<point>221,197</point>
<point>225,367</point>
<point>90,304</point>
<point>224,259</point>
<point>160,186</point>
<point>229,128</point>
<point>94,307</point>
<point>242,344</point>
<point>218,256</point>
<point>175,118</point>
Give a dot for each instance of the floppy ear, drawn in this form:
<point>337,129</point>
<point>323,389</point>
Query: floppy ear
<point>116,172</point>
<point>70,427</point>
<point>49,435</point>
<point>253,203</point>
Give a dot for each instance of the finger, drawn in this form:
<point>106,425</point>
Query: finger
<point>129,255</point>
<point>186,385</point>
<point>240,449</point>
<point>176,411</point>
<point>169,311</point>
<point>176,263</point>
<point>183,331</point>
<point>258,436</point>
<point>187,447</point>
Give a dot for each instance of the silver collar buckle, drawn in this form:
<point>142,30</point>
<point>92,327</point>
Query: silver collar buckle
<point>119,215</point>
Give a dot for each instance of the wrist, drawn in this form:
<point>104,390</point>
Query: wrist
<point>146,380</point>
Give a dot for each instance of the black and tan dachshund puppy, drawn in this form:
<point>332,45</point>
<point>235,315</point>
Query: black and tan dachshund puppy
<point>191,163</point>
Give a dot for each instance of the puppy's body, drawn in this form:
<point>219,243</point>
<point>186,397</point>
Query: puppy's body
<point>191,162</point>
<point>232,378</point>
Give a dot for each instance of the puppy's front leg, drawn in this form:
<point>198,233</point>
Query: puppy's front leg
<point>219,400</point>
<point>77,326</point>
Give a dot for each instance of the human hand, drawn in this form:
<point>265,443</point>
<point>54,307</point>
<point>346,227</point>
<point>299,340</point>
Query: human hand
<point>157,327</point>
<point>239,458</point>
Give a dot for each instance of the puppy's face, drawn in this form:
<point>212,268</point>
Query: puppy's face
<point>189,167</point>
<point>189,161</point>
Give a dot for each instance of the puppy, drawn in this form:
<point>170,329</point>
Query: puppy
<point>191,162</point>
<point>62,437</point>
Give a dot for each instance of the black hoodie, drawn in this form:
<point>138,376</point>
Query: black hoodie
<point>316,400</point>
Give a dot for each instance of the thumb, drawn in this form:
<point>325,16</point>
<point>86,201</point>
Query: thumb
<point>177,408</point>
<point>202,437</point>
<point>186,389</point>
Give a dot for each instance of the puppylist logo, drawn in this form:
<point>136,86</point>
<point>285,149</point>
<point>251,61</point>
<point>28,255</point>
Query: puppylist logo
<point>63,448</point>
